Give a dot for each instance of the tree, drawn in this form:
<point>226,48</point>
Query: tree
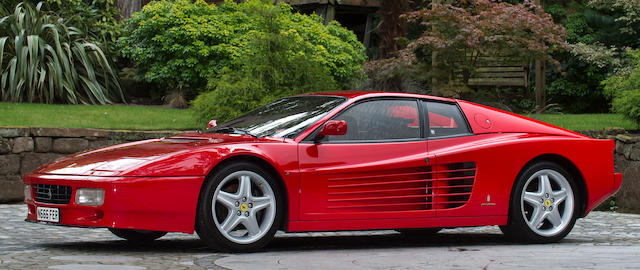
<point>463,31</point>
<point>390,28</point>
<point>270,67</point>
<point>180,44</point>
<point>629,12</point>
<point>128,7</point>
<point>624,89</point>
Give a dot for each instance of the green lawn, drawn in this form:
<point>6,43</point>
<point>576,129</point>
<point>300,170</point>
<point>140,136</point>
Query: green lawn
<point>95,116</point>
<point>586,121</point>
<point>156,118</point>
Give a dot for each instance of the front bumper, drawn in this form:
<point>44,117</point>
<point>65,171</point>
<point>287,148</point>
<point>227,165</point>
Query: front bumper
<point>143,203</point>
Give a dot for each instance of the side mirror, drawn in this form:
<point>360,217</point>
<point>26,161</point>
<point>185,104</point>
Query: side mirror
<point>212,123</point>
<point>334,128</point>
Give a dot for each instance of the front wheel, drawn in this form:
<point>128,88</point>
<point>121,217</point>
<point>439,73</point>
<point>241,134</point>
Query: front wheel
<point>544,205</point>
<point>240,208</point>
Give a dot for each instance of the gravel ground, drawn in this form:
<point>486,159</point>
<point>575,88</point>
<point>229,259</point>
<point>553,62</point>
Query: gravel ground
<point>602,240</point>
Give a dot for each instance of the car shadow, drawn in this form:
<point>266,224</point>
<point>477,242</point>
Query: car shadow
<point>158,246</point>
<point>301,242</point>
<point>384,241</point>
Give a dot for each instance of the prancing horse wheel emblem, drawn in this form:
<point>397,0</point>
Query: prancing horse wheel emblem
<point>243,207</point>
<point>547,203</point>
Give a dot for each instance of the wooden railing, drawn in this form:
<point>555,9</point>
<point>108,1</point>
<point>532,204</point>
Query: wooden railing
<point>499,72</point>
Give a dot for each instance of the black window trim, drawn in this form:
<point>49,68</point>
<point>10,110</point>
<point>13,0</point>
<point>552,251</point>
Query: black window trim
<point>425,106</point>
<point>310,138</point>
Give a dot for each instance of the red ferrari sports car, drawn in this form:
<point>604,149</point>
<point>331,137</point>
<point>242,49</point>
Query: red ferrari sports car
<point>335,161</point>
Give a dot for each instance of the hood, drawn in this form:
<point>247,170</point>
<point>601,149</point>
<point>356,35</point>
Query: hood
<point>119,159</point>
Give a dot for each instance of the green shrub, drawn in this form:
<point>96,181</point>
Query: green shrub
<point>181,43</point>
<point>625,91</point>
<point>628,103</point>
<point>578,29</point>
<point>270,67</point>
<point>578,90</point>
<point>44,60</point>
<point>557,11</point>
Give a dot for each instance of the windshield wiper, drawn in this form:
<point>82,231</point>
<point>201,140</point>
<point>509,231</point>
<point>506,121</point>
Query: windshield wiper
<point>232,130</point>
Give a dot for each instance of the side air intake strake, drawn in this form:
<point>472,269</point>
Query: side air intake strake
<point>433,187</point>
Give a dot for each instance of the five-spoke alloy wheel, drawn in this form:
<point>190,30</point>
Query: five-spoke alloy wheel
<point>544,204</point>
<point>240,208</point>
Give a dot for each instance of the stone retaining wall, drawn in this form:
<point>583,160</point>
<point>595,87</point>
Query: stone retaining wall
<point>24,149</point>
<point>627,161</point>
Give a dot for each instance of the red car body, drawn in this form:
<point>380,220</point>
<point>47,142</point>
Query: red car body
<point>155,184</point>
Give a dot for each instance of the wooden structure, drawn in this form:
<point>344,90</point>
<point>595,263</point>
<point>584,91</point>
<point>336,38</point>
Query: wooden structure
<point>500,72</point>
<point>356,15</point>
<point>128,7</point>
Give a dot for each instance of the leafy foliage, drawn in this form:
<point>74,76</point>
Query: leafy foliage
<point>597,50</point>
<point>578,29</point>
<point>42,59</point>
<point>181,43</point>
<point>556,11</point>
<point>629,11</point>
<point>96,18</point>
<point>461,32</point>
<point>99,19</point>
<point>624,89</point>
<point>7,6</point>
<point>599,55</point>
<point>270,67</point>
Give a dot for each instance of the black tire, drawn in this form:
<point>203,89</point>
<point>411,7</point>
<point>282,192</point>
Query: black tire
<point>210,230</point>
<point>522,214</point>
<point>137,236</point>
<point>419,231</point>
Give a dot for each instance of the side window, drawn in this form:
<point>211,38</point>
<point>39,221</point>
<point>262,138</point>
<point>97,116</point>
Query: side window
<point>445,120</point>
<point>380,120</point>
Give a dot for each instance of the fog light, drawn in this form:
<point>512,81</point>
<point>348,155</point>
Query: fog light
<point>90,196</point>
<point>27,193</point>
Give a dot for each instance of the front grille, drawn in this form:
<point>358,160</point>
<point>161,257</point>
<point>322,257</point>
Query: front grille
<point>52,193</point>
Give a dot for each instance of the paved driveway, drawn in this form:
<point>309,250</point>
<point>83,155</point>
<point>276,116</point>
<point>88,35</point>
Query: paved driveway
<point>601,241</point>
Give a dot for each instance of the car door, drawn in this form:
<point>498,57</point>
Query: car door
<point>458,164</point>
<point>378,169</point>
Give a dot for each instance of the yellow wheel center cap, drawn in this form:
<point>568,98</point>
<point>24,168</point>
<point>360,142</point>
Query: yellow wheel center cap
<point>547,203</point>
<point>244,207</point>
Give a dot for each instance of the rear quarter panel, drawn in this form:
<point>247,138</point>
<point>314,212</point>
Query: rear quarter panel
<point>500,157</point>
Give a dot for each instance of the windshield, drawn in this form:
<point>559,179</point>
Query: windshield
<point>287,117</point>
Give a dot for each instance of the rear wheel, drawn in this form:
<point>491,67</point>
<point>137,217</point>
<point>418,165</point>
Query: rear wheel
<point>137,236</point>
<point>240,208</point>
<point>543,206</point>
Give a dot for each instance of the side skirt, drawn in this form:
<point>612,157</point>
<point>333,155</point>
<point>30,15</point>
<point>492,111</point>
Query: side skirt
<point>381,224</point>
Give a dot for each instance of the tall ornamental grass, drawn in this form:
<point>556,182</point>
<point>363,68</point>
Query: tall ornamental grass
<point>42,59</point>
